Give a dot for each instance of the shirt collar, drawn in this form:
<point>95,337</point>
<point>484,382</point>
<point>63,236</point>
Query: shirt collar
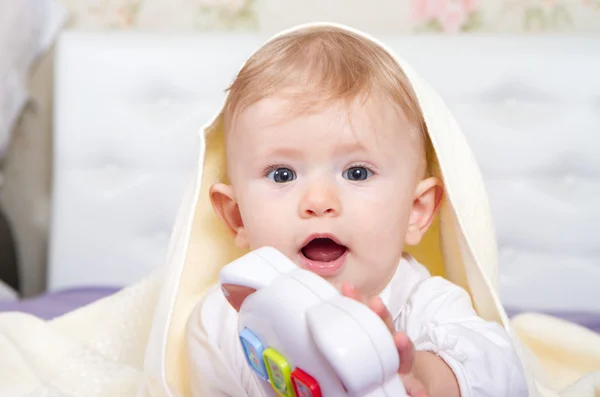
<point>398,290</point>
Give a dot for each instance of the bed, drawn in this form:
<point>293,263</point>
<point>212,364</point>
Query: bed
<point>128,108</point>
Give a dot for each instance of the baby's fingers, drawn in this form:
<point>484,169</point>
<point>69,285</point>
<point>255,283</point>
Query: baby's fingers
<point>353,293</point>
<point>406,350</point>
<point>350,291</point>
<point>376,304</point>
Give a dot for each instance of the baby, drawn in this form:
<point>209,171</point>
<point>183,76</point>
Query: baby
<point>329,161</point>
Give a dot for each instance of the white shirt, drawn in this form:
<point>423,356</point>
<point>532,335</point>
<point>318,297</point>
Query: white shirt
<point>437,316</point>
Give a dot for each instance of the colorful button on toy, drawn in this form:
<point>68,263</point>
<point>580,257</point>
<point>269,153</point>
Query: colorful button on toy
<point>304,384</point>
<point>279,373</point>
<point>254,350</point>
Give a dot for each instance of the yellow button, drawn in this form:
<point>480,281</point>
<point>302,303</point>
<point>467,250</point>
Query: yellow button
<point>279,373</point>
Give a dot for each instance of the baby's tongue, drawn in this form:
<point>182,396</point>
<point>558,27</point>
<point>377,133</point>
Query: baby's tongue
<point>323,250</point>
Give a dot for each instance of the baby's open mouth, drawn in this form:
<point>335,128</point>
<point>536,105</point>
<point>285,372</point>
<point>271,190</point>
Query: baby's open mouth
<point>323,250</point>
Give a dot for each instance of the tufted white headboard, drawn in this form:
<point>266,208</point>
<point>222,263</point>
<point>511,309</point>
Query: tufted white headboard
<point>129,108</point>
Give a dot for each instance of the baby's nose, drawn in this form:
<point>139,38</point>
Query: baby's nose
<point>320,200</point>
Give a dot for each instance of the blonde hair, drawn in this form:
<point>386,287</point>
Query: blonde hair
<point>323,64</point>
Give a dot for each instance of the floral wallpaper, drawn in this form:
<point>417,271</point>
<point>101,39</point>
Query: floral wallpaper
<point>413,16</point>
<point>446,16</point>
<point>163,15</point>
<point>507,16</point>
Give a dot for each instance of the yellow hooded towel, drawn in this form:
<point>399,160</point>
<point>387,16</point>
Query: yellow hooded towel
<point>132,343</point>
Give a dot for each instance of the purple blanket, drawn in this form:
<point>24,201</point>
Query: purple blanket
<point>48,306</point>
<point>51,305</point>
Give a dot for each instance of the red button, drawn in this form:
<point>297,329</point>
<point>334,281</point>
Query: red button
<point>304,384</point>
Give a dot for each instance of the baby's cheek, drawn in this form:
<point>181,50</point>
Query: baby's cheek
<point>384,227</point>
<point>269,231</point>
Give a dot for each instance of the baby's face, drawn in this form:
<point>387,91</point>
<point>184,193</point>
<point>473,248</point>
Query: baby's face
<point>338,192</point>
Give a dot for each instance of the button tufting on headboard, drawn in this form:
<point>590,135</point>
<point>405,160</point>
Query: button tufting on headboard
<point>129,108</point>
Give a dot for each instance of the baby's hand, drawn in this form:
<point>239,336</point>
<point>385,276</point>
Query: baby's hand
<point>406,349</point>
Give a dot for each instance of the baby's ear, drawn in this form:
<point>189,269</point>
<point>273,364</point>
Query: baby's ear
<point>427,199</point>
<point>223,201</point>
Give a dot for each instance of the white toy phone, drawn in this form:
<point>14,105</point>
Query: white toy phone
<point>302,338</point>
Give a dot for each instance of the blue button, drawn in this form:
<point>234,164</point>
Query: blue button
<point>253,349</point>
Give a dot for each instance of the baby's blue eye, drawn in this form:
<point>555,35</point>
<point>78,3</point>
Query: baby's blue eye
<point>357,173</point>
<point>281,175</point>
